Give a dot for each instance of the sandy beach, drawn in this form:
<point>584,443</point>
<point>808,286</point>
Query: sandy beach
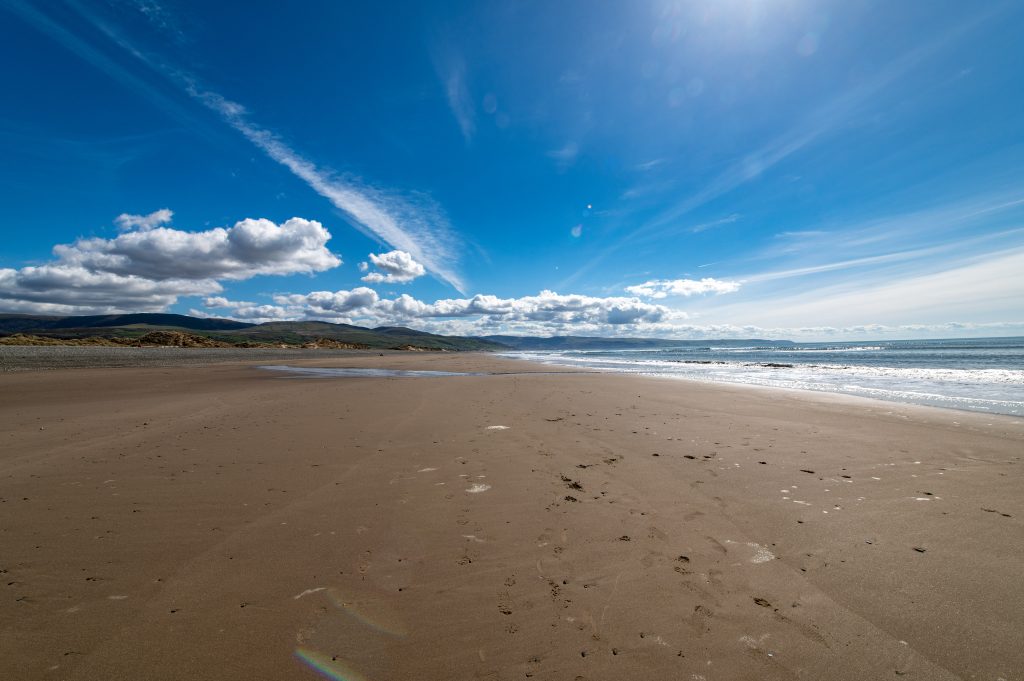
<point>229,522</point>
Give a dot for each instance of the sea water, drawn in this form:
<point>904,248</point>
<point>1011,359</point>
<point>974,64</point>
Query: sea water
<point>978,374</point>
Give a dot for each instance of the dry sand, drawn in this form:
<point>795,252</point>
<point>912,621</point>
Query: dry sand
<point>225,522</point>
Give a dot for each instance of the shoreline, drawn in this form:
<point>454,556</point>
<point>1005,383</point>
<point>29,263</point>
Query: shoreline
<point>41,358</point>
<point>387,528</point>
<point>48,358</point>
<point>709,381</point>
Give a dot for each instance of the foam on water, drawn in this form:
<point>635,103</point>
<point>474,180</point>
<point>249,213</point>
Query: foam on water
<point>985,375</point>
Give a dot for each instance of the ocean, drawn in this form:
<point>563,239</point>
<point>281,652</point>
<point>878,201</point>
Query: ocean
<point>976,374</point>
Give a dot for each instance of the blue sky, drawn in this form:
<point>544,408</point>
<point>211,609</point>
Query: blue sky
<point>726,168</point>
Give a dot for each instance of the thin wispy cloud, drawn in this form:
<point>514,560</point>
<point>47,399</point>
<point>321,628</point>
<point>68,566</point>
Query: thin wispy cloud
<point>565,155</point>
<point>821,121</point>
<point>419,230</point>
<point>704,226</point>
<point>649,165</point>
<point>414,224</point>
<point>818,124</point>
<point>451,69</point>
<point>957,246</point>
<point>988,284</point>
<point>897,231</point>
<point>158,97</point>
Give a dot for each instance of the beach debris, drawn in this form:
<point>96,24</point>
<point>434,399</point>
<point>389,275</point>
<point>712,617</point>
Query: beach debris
<point>309,591</point>
<point>497,428</point>
<point>920,549</point>
<point>806,470</point>
<point>762,602</point>
<point>477,488</point>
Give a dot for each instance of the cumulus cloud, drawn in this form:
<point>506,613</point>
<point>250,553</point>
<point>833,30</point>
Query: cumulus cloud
<point>149,267</point>
<point>243,309</point>
<point>547,306</point>
<point>126,221</point>
<point>663,288</point>
<point>63,288</point>
<point>251,247</point>
<point>398,267</point>
<point>548,311</point>
<point>330,303</point>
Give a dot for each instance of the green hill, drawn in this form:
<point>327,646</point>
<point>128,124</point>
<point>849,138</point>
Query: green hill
<point>134,326</point>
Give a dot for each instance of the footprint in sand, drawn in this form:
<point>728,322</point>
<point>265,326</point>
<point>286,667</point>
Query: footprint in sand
<point>701,619</point>
<point>505,603</point>
<point>654,533</point>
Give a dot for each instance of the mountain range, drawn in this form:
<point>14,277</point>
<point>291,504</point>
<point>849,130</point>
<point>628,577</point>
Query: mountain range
<point>135,326</point>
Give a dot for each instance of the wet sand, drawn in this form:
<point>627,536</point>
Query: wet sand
<point>226,522</point>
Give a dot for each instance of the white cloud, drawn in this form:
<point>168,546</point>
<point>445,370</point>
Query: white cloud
<point>548,310</point>
<point>412,224</point>
<point>330,303</point>
<point>398,268</point>
<point>251,247</point>
<point>565,156</point>
<point>241,309</point>
<point>577,231</point>
<point>148,270</point>
<point>64,288</point>
<point>126,222</point>
<point>663,288</point>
